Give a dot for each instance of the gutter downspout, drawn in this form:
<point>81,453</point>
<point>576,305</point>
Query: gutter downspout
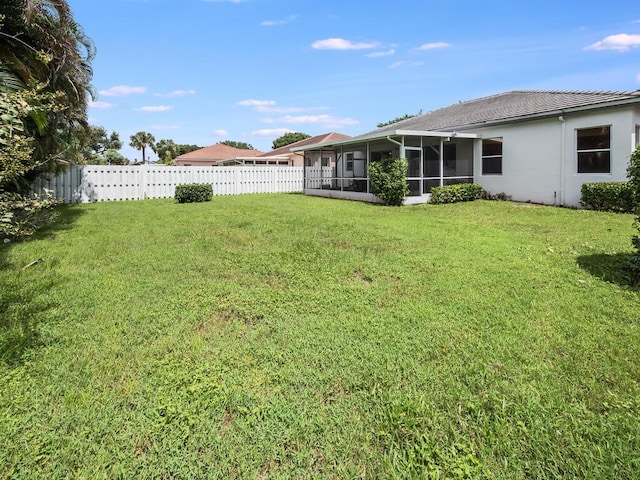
<point>393,141</point>
<point>563,159</point>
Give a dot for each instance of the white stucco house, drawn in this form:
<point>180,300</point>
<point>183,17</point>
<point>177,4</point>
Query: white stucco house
<point>537,146</point>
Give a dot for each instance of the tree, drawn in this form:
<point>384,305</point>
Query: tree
<point>20,214</point>
<point>114,157</point>
<point>289,138</point>
<point>240,145</point>
<point>96,142</point>
<point>41,44</point>
<point>633,172</point>
<point>166,150</point>
<point>406,116</point>
<point>184,148</point>
<point>45,83</point>
<point>142,140</point>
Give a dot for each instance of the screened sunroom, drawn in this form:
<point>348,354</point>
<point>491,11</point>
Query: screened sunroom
<point>340,170</point>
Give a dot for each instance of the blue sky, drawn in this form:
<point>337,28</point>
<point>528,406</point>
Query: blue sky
<point>203,71</point>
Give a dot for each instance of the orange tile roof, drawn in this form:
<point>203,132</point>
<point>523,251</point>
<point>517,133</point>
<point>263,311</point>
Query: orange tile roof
<point>219,151</point>
<point>286,150</point>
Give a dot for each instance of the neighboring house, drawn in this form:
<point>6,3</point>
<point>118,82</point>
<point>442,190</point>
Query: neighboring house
<point>298,159</point>
<point>214,155</point>
<point>537,146</point>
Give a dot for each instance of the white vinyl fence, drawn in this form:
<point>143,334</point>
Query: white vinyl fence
<point>98,183</point>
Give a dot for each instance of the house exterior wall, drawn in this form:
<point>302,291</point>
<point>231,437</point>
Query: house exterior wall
<point>539,158</point>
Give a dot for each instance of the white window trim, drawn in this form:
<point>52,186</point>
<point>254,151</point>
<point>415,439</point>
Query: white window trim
<point>577,152</point>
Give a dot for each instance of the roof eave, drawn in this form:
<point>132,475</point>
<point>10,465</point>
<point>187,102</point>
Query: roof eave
<point>552,113</point>
<point>386,134</point>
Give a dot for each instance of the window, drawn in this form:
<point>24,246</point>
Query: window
<point>308,162</point>
<point>378,156</point>
<point>594,150</point>
<point>449,156</point>
<point>326,161</point>
<point>492,156</point>
<point>349,165</point>
<point>431,162</point>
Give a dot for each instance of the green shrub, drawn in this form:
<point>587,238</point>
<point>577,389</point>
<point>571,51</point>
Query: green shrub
<point>193,192</point>
<point>608,196</point>
<point>388,179</point>
<point>501,196</point>
<point>461,192</point>
<point>633,172</point>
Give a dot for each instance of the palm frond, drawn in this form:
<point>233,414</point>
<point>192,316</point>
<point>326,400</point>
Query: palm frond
<point>9,82</point>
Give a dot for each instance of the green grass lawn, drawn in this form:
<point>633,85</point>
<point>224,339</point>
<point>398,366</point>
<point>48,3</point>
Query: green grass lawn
<point>283,336</point>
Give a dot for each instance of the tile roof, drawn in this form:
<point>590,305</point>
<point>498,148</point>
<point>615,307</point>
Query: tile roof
<point>325,137</point>
<point>219,151</point>
<point>504,107</point>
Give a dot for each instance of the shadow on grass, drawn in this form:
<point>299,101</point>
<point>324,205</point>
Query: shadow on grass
<point>22,308</point>
<point>22,304</point>
<point>610,268</point>
<point>67,215</point>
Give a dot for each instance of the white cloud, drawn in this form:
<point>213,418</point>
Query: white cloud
<point>277,23</point>
<point>621,42</point>
<point>256,103</point>
<point>268,132</point>
<point>176,93</point>
<point>403,64</point>
<point>433,45</point>
<point>220,133</point>
<point>122,90</point>
<point>98,104</point>
<point>386,53</point>
<point>326,120</point>
<point>342,44</point>
<point>154,108</point>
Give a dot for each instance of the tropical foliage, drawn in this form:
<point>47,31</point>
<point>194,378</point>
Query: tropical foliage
<point>142,141</point>
<point>96,143</point>
<point>406,116</point>
<point>41,44</point>
<point>20,214</point>
<point>45,83</point>
<point>166,150</point>
<point>633,172</point>
<point>240,145</point>
<point>289,138</point>
<point>388,179</point>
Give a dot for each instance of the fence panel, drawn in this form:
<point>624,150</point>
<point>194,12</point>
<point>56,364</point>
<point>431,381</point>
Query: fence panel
<point>99,183</point>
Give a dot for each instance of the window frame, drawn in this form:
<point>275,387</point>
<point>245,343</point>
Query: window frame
<point>348,164</point>
<point>579,151</point>
<point>484,157</point>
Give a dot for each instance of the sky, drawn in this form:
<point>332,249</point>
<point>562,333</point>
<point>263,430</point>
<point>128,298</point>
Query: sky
<point>203,71</point>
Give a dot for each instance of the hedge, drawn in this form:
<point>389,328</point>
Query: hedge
<point>193,192</point>
<point>608,196</point>
<point>461,192</point>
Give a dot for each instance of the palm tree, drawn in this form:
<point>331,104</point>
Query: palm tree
<point>40,41</point>
<point>142,140</point>
<point>167,150</point>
